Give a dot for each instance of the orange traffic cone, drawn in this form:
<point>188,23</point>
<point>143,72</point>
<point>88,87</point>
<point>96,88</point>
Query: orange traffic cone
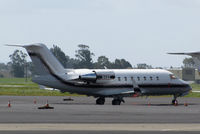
<point>186,104</point>
<point>9,104</point>
<point>34,101</point>
<point>149,104</point>
<point>47,104</point>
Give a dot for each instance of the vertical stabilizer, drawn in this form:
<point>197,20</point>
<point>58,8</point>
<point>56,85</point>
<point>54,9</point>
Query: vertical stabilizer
<point>43,60</point>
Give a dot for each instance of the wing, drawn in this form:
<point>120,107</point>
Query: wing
<point>111,92</point>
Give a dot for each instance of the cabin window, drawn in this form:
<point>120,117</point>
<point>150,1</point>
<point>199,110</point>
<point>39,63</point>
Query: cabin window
<point>99,77</point>
<point>138,78</point>
<point>125,78</point>
<point>107,77</point>
<point>119,79</point>
<point>112,77</point>
<point>132,78</point>
<point>151,78</point>
<point>145,78</point>
<point>157,78</point>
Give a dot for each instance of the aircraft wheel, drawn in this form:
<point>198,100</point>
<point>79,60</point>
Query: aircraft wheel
<point>116,102</point>
<point>100,101</point>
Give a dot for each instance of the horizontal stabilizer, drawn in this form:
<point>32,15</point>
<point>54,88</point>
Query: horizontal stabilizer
<point>195,57</point>
<point>15,45</point>
<point>190,53</point>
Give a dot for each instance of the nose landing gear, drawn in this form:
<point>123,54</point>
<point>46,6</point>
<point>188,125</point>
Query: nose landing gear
<point>175,101</point>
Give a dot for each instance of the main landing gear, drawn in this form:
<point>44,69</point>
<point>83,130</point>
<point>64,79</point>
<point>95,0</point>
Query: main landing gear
<point>174,101</point>
<point>117,101</point>
<point>100,101</point>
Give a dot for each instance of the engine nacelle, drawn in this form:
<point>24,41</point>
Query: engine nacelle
<point>91,77</point>
<point>98,75</point>
<point>105,75</point>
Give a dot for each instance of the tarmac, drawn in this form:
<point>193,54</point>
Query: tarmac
<point>82,115</point>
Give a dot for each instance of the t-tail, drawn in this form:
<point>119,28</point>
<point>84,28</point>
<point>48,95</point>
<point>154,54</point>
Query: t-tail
<point>43,60</point>
<point>195,57</point>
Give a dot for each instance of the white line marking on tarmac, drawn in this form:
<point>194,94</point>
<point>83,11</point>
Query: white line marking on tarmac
<point>196,91</point>
<point>167,130</point>
<point>13,86</point>
<point>99,127</point>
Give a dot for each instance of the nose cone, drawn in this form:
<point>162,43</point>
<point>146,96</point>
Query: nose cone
<point>186,90</point>
<point>189,88</point>
<point>185,83</point>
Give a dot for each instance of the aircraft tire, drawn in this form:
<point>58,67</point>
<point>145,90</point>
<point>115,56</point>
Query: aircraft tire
<point>116,102</point>
<point>100,101</point>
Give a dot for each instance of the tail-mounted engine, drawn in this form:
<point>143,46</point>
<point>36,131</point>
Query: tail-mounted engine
<point>90,77</point>
<point>97,75</point>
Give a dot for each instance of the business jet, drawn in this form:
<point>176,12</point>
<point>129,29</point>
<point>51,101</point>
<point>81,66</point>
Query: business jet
<point>102,83</point>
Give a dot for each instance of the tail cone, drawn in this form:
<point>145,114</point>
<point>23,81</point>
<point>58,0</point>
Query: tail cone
<point>34,101</point>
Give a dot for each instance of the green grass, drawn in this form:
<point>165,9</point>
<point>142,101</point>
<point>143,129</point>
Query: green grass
<point>31,89</point>
<point>193,95</point>
<point>26,88</point>
<point>15,81</point>
<point>195,87</point>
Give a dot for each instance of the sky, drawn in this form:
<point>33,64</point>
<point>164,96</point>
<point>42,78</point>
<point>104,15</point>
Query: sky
<point>140,31</point>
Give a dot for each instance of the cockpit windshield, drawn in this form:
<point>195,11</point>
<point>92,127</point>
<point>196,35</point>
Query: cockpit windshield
<point>172,76</point>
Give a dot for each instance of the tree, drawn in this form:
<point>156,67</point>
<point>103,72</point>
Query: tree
<point>3,66</point>
<point>84,56</point>
<point>121,64</point>
<point>73,63</point>
<point>188,62</point>
<point>144,66</point>
<point>60,55</point>
<point>102,63</point>
<point>18,62</point>
<point>30,67</point>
